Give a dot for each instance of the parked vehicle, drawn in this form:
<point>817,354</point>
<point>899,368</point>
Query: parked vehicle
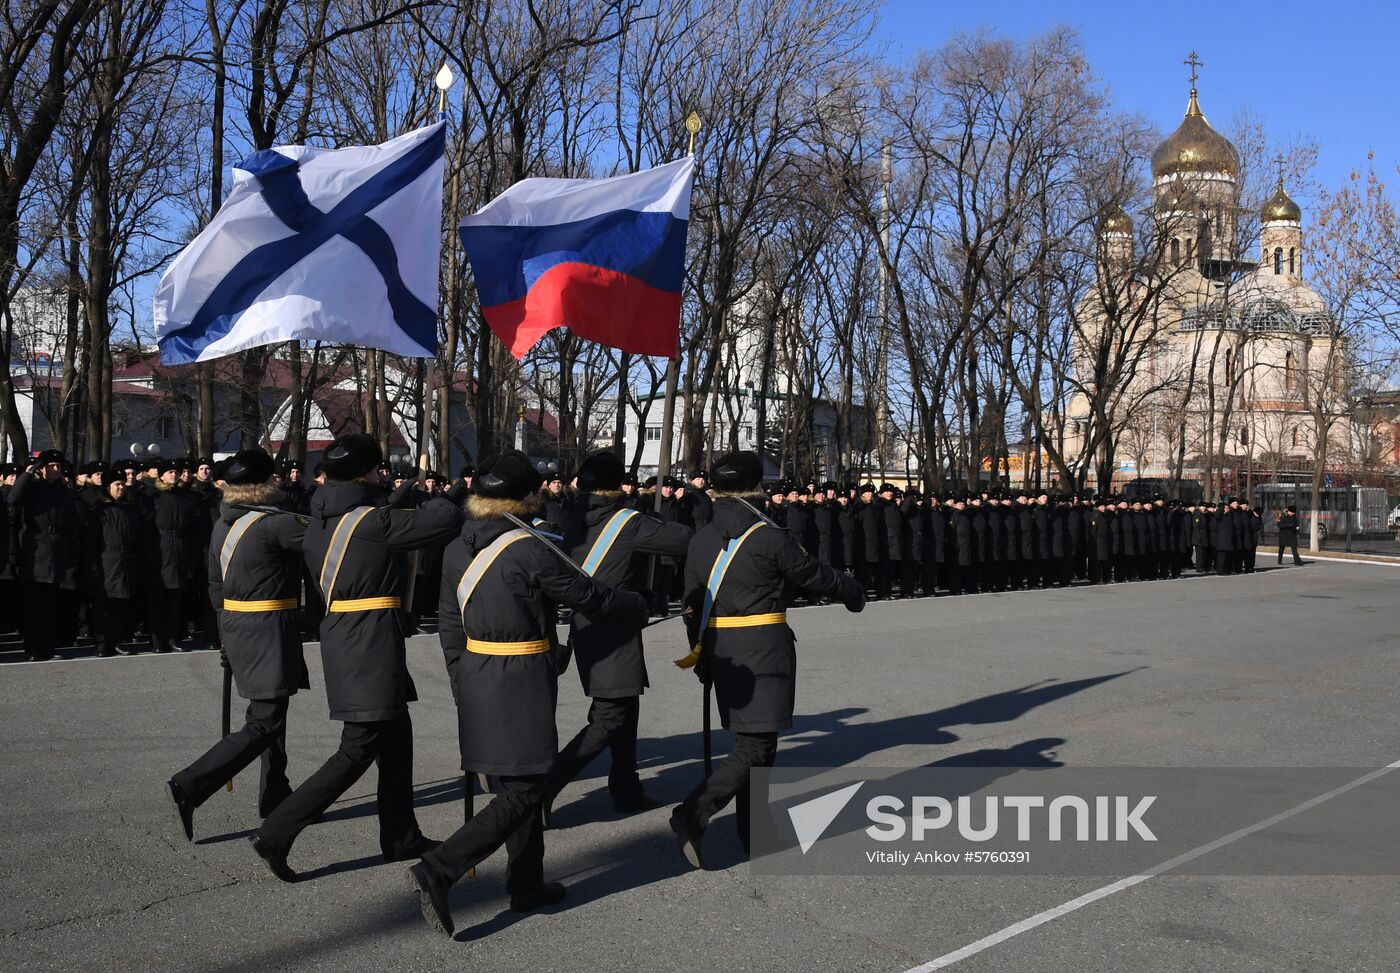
<point>1360,508</point>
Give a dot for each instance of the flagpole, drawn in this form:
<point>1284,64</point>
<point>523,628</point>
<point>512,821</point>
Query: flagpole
<point>442,81</point>
<point>693,124</point>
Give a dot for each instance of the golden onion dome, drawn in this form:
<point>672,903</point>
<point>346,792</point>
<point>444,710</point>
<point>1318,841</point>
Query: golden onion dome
<point>1280,208</point>
<point>1195,147</point>
<point>1114,220</point>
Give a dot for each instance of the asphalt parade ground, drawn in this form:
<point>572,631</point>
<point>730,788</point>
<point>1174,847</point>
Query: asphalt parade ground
<point>1287,667</point>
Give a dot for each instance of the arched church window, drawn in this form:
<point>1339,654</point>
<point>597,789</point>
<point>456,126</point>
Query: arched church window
<point>1290,260</point>
<point>1176,251</point>
<point>1190,249</point>
<point>1288,370</point>
<point>1219,220</point>
<point>1278,260</point>
<point>1229,367</point>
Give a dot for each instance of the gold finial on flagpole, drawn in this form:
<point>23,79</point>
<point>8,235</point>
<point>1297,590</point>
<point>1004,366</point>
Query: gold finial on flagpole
<point>693,124</point>
<point>443,81</point>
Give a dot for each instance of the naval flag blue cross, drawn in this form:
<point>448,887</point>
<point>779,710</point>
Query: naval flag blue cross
<point>282,190</point>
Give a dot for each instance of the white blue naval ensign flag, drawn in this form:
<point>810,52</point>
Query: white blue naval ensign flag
<point>337,245</point>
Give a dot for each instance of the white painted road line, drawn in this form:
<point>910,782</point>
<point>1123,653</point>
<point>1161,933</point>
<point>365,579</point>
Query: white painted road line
<point>1073,905</point>
<point>1352,560</point>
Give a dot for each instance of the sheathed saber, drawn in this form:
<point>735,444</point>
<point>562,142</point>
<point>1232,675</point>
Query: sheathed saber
<point>547,543</point>
<point>225,715</point>
<point>570,561</point>
<point>759,513</point>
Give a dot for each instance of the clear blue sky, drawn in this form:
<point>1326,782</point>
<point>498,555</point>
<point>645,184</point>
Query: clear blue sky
<point>1340,59</point>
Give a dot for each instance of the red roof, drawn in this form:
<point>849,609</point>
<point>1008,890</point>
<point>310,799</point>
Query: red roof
<point>345,415</point>
<point>118,388</point>
<point>549,425</point>
<point>340,406</point>
<point>229,370</point>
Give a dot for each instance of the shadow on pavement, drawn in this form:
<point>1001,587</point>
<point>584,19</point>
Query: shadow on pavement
<point>835,739</point>
<point>991,764</point>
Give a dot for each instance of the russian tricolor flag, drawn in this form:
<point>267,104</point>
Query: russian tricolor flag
<point>603,257</point>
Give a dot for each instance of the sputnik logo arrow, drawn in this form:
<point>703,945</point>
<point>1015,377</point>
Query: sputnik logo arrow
<point>810,819</point>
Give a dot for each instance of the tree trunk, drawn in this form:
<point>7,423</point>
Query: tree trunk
<point>624,368</point>
<point>250,399</point>
<point>69,397</point>
<point>295,445</point>
<point>99,239</point>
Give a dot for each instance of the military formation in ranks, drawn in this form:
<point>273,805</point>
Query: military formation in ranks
<point>110,549</point>
<point>119,553</point>
<point>906,544</point>
<point>257,561</point>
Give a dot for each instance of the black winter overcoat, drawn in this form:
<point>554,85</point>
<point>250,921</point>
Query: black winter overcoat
<point>263,648</point>
<point>50,530</point>
<point>505,703</point>
<point>173,525</point>
<point>609,654</point>
<point>114,549</point>
<point>362,652</point>
<point>754,669</point>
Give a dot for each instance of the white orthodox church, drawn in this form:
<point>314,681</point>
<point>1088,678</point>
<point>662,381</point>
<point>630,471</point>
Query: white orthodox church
<point>1228,349</point>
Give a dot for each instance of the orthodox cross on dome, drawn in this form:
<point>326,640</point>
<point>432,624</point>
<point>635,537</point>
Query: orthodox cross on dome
<point>1195,63</point>
<point>1279,160</point>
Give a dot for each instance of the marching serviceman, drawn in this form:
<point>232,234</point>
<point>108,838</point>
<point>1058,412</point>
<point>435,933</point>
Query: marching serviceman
<point>358,549</point>
<point>254,572</point>
<point>500,588</point>
<point>608,539</point>
<point>737,570</point>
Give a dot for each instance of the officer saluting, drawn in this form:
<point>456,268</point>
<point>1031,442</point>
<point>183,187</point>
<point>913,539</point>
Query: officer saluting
<point>357,549</point>
<point>500,586</point>
<point>606,538</point>
<point>737,569</point>
<point>50,524</point>
<point>254,579</point>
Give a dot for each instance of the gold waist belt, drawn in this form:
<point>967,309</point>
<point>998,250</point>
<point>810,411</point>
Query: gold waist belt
<point>483,647</point>
<point>364,604</point>
<point>274,605</point>
<point>748,621</point>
